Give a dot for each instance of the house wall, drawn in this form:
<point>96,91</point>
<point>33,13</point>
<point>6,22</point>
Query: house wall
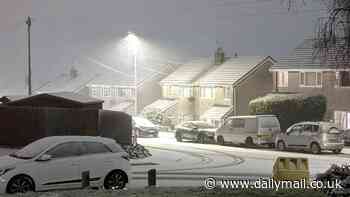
<point>337,97</point>
<point>256,85</point>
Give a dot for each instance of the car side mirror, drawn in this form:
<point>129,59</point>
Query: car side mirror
<point>44,157</point>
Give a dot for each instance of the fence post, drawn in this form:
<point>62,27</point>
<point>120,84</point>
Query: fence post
<point>152,177</point>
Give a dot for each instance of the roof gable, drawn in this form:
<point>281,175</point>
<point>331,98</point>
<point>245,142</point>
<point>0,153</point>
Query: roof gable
<point>232,71</point>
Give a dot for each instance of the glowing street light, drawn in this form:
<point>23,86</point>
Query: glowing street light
<point>133,44</point>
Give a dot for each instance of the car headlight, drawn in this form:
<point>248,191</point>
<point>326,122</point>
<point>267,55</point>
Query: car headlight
<point>4,171</point>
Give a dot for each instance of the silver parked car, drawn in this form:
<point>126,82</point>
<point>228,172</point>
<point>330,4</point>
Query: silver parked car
<point>311,136</point>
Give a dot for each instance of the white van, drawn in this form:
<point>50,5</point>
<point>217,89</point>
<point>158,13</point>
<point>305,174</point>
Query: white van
<point>249,130</point>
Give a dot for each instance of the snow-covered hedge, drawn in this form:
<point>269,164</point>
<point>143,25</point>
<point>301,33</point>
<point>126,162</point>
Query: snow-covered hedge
<point>290,108</point>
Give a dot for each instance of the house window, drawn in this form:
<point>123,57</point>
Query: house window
<point>174,91</point>
<point>207,92</point>
<point>228,93</point>
<point>114,92</point>
<point>94,91</point>
<point>343,78</point>
<point>106,91</point>
<point>188,92</point>
<point>125,92</point>
<point>342,119</point>
<point>282,79</point>
<point>310,79</point>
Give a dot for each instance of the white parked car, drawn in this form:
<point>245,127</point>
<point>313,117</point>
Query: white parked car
<point>311,136</point>
<point>58,163</point>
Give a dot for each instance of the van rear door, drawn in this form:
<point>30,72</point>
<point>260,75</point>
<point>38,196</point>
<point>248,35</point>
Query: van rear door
<point>268,126</point>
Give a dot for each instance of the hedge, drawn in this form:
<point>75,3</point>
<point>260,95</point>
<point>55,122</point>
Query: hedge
<point>290,108</point>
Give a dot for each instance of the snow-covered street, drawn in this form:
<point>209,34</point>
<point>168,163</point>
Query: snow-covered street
<point>188,164</point>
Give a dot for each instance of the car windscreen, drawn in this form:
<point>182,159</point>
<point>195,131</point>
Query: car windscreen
<point>32,150</point>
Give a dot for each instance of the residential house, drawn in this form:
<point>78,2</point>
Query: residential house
<point>115,87</point>
<point>304,72</point>
<point>213,88</point>
<point>228,87</point>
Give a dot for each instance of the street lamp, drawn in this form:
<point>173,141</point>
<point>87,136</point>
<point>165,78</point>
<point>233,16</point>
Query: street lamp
<point>133,44</point>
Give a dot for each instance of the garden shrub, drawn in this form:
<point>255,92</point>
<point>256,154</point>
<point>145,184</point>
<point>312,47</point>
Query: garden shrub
<point>290,108</point>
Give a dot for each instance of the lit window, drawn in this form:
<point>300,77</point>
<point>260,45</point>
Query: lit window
<point>343,78</point>
<point>342,119</point>
<point>94,91</point>
<point>282,79</point>
<point>228,93</point>
<point>311,79</point>
<point>188,91</point>
<point>106,91</point>
<point>207,92</point>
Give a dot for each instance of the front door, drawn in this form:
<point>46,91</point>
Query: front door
<point>62,171</point>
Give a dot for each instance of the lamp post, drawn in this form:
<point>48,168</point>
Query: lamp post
<point>133,45</point>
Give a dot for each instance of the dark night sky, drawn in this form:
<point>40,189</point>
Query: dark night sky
<point>64,30</point>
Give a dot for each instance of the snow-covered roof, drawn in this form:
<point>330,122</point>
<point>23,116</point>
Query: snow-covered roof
<point>308,56</point>
<point>161,105</point>
<point>232,70</point>
<point>189,72</point>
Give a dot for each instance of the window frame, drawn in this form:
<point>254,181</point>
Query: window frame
<point>207,92</point>
<point>302,79</point>
<point>282,79</point>
<point>339,78</point>
<point>228,92</point>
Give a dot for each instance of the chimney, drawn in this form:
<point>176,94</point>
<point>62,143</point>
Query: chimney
<point>219,56</point>
<point>73,73</point>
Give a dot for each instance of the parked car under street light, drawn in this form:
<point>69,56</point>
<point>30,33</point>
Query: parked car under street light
<point>199,131</point>
<point>145,128</point>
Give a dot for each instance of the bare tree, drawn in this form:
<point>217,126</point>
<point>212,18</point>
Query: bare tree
<point>332,35</point>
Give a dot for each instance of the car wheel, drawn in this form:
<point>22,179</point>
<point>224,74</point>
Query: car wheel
<point>20,184</point>
<point>281,146</point>
<point>178,137</point>
<point>249,141</point>
<point>315,148</point>
<point>337,151</point>
<point>115,180</point>
<point>220,140</point>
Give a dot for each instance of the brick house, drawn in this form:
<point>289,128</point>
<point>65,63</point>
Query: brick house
<point>211,89</point>
<point>301,72</point>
